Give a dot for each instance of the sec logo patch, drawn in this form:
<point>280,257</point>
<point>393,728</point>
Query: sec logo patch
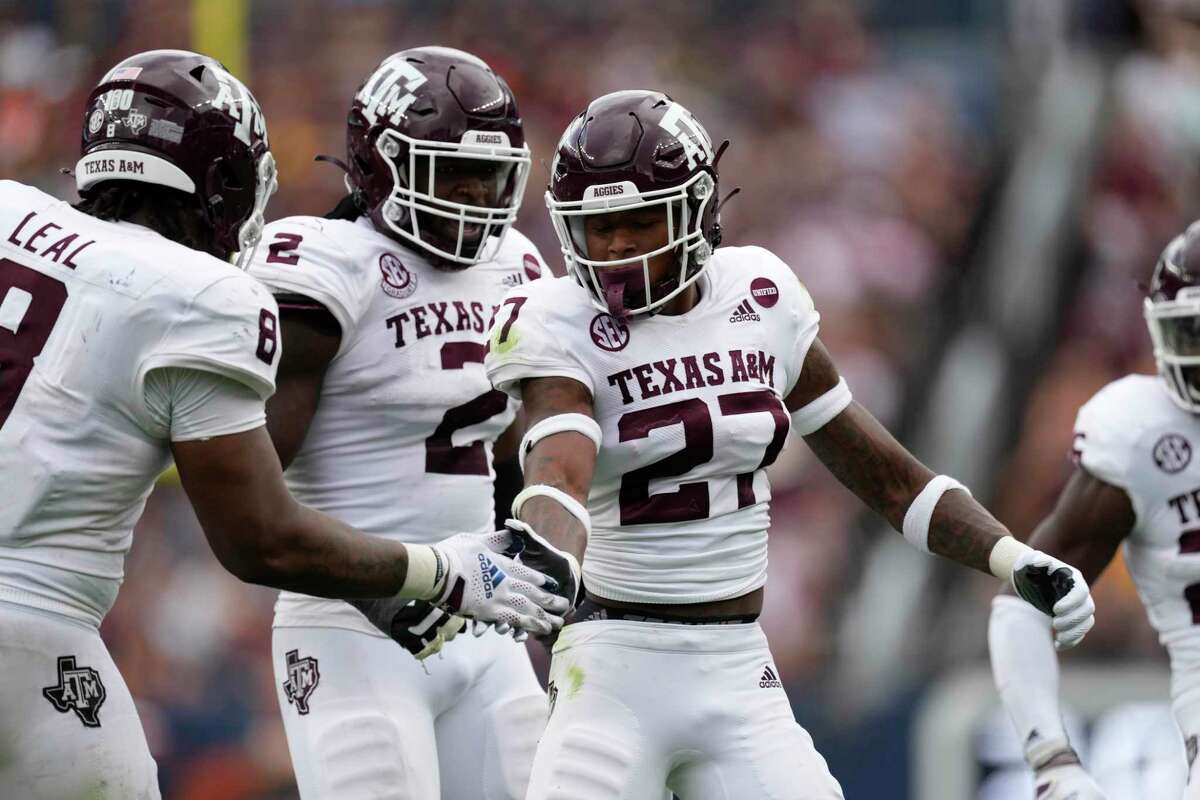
<point>609,333</point>
<point>398,280</point>
<point>1172,453</point>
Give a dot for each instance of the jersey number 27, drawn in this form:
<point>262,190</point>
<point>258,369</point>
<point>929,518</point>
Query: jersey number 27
<point>690,501</point>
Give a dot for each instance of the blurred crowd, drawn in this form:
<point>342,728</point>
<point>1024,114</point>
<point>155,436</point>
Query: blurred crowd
<point>864,153</point>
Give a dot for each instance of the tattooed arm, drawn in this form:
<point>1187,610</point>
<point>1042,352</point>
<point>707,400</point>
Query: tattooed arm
<point>564,461</point>
<point>883,474</point>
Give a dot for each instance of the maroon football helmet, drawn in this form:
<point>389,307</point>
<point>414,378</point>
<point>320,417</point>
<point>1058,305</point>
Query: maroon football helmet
<point>1173,315</point>
<point>627,150</point>
<point>179,119</point>
<point>424,116</point>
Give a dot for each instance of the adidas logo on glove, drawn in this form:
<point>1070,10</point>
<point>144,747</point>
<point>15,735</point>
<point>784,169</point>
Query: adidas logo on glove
<point>493,576</point>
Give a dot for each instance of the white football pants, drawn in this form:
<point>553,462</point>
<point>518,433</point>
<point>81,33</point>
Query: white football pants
<point>377,725</point>
<point>640,708</point>
<point>1186,710</point>
<point>68,728</point>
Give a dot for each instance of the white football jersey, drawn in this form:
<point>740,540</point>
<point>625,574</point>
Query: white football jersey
<point>87,309</point>
<point>401,443</point>
<point>1131,435</point>
<point>691,412</point>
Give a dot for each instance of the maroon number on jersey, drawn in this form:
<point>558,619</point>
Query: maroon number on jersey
<point>1189,543</point>
<point>516,303</point>
<point>757,402</point>
<point>268,336</point>
<point>691,500</point>
<point>30,303</point>
<point>281,250</point>
<point>441,456</point>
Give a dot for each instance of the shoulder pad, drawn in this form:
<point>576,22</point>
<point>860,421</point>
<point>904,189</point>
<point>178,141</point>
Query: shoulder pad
<point>303,256</point>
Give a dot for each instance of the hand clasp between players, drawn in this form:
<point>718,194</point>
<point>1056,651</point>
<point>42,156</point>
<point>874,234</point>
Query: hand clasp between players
<point>483,581</point>
<point>1059,590</point>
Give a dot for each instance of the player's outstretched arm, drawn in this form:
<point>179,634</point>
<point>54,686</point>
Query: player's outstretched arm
<point>1085,528</point>
<point>558,457</point>
<point>934,512</point>
<point>262,535</point>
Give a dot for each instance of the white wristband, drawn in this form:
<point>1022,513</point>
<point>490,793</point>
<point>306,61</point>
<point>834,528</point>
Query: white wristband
<point>573,506</point>
<point>920,512</point>
<point>426,573</point>
<point>559,423</point>
<point>1004,554</point>
<point>817,414</point>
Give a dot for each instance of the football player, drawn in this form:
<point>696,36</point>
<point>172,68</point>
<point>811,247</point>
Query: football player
<point>660,379</point>
<point>1135,485</point>
<point>385,418</point>
<point>126,337</point>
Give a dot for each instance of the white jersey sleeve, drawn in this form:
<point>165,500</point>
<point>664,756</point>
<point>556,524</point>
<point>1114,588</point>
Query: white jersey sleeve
<point>299,255</point>
<point>804,318</point>
<point>523,342</point>
<point>188,405</point>
<point>1105,436</point>
<point>230,328</point>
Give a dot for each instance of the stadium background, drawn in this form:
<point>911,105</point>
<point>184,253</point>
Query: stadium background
<point>970,188</point>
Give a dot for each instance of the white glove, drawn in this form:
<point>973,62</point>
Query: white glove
<point>1066,782</point>
<point>482,581</point>
<point>479,628</point>
<point>1057,589</point>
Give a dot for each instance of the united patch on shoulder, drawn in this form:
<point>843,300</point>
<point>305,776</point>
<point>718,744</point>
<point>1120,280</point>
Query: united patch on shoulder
<point>302,680</point>
<point>79,689</point>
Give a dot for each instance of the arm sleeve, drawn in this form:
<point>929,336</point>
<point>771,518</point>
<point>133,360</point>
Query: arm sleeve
<point>187,404</point>
<point>1025,668</point>
<point>298,257</point>
<point>528,340</point>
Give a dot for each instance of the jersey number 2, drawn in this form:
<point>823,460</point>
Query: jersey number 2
<point>30,303</point>
<point>690,500</point>
<point>441,456</point>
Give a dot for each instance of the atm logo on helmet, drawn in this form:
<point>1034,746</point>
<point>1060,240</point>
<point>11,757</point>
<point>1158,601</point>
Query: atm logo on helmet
<point>389,92</point>
<point>696,145</point>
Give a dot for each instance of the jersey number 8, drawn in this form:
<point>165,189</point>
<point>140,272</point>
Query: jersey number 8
<point>30,304</point>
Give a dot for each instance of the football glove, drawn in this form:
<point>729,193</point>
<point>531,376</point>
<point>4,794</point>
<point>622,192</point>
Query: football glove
<point>545,557</point>
<point>1066,782</point>
<point>419,627</point>
<point>484,581</point>
<point>1058,590</point>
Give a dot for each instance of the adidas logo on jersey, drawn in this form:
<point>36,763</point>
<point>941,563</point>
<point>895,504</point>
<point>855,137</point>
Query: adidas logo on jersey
<point>769,679</point>
<point>745,313</point>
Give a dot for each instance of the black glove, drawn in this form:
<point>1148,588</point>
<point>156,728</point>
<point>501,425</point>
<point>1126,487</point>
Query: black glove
<point>547,559</point>
<point>419,627</point>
